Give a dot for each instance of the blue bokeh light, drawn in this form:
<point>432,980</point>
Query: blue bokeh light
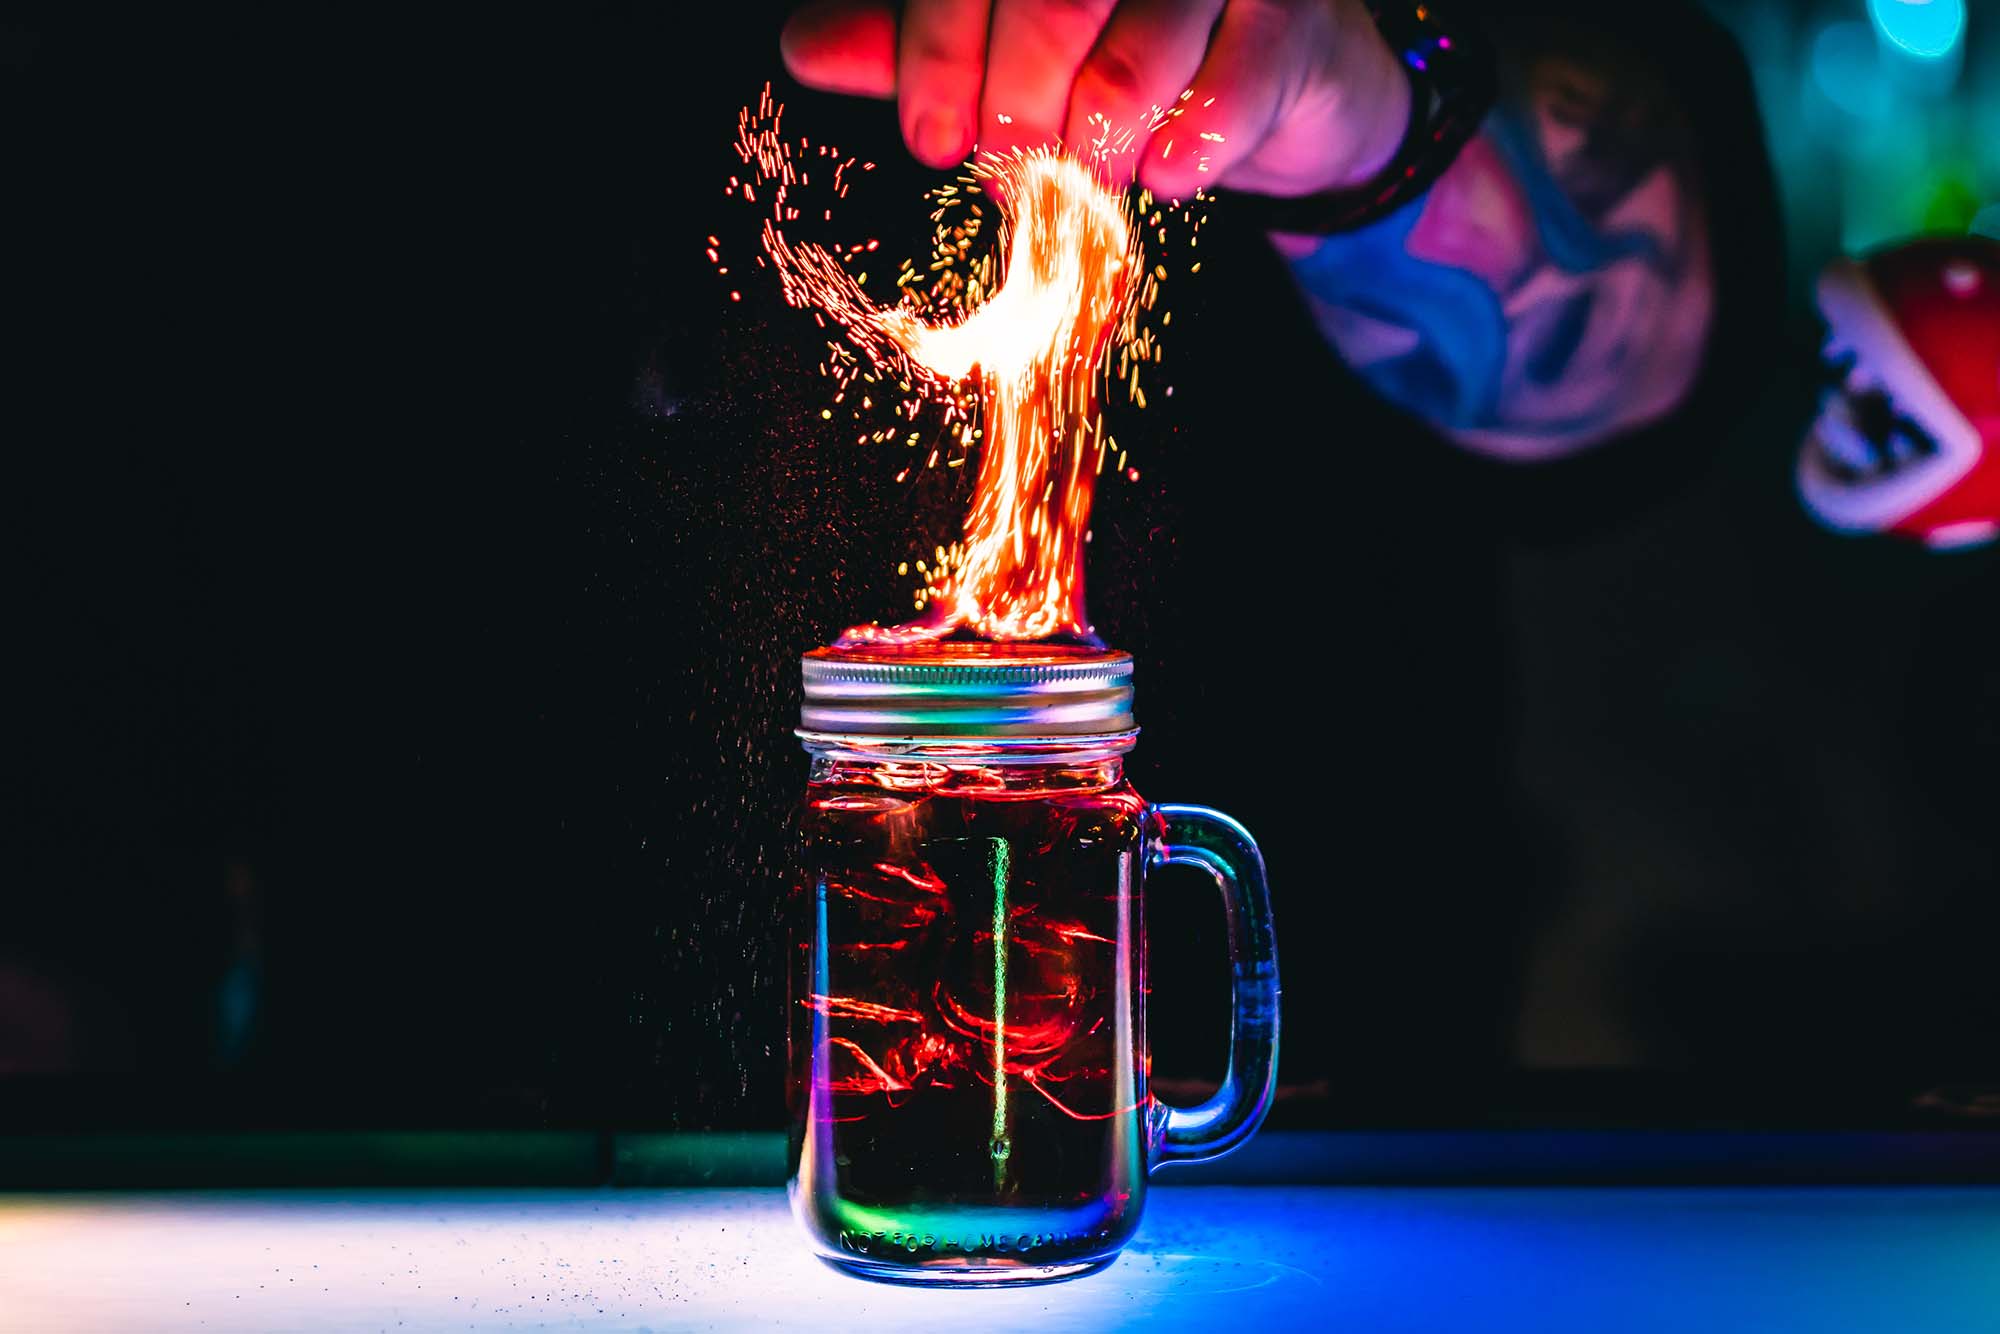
<point>1926,29</point>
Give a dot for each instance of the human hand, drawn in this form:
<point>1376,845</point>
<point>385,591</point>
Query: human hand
<point>1290,97</point>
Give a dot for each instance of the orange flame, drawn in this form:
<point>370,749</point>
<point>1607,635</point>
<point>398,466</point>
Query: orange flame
<point>1018,363</point>
<point>1036,347</point>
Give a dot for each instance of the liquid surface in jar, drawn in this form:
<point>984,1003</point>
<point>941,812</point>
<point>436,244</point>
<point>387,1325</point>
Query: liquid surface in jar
<point>968,1080</point>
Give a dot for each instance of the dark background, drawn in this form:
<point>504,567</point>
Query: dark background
<point>410,621</point>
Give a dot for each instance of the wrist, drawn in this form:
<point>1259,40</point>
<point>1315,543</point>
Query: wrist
<point>1444,95</point>
<point>1376,93</point>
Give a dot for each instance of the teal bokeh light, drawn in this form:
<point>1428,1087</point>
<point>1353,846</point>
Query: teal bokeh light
<point>1926,29</point>
<point>1844,67</point>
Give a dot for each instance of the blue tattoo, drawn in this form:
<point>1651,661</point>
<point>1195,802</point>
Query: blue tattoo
<point>1453,375</point>
<point>1569,240</point>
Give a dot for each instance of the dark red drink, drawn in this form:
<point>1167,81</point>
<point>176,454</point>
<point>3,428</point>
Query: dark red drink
<point>965,1010</point>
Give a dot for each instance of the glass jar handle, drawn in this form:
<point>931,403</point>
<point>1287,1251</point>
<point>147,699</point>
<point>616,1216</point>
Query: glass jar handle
<point>1198,836</point>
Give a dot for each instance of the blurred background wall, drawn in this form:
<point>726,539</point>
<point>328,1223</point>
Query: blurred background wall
<point>1883,116</point>
<point>424,730</point>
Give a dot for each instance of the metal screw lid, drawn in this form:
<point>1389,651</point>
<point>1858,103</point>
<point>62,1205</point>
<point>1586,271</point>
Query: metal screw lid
<point>967,690</point>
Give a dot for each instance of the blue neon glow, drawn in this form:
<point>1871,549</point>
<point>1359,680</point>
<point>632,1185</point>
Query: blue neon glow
<point>1926,29</point>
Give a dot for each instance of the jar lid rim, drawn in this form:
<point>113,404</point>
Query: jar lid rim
<point>1076,747</point>
<point>967,689</point>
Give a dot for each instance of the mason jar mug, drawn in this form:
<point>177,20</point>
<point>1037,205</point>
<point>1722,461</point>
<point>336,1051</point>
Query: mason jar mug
<point>967,1051</point>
